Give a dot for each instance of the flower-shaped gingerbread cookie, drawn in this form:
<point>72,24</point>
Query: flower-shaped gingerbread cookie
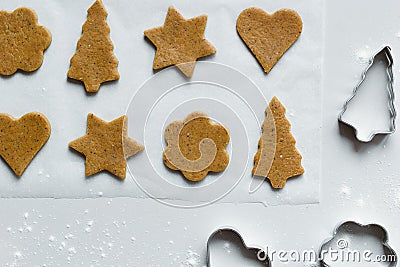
<point>196,146</point>
<point>22,41</point>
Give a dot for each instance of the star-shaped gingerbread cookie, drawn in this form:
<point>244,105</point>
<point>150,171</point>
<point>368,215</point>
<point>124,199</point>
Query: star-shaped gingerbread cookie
<point>106,146</point>
<point>180,42</point>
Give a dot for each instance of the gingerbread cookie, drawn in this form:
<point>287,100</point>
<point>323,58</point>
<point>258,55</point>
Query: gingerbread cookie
<point>196,146</point>
<point>22,41</point>
<point>277,157</point>
<point>180,42</point>
<point>269,36</point>
<point>94,62</point>
<point>21,139</point>
<point>106,146</point>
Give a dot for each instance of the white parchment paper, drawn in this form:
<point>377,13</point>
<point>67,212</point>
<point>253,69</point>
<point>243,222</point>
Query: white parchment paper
<point>57,172</point>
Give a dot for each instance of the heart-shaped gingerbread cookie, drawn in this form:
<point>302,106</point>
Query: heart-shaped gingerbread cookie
<point>268,36</point>
<point>21,139</point>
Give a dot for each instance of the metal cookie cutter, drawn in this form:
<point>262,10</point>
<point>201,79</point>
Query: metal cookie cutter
<point>225,245</point>
<point>384,53</point>
<point>356,244</point>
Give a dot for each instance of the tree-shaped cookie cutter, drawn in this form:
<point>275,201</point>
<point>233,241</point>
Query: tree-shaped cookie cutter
<point>257,253</point>
<point>348,235</point>
<point>386,52</point>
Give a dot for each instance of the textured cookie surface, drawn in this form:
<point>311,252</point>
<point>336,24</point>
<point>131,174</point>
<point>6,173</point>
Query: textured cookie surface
<point>21,139</point>
<point>94,62</point>
<point>106,146</point>
<point>286,159</point>
<point>269,36</point>
<point>196,146</point>
<point>22,41</point>
<point>180,42</point>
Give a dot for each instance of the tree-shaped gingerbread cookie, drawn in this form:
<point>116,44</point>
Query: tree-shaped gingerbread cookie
<point>94,61</point>
<point>278,145</point>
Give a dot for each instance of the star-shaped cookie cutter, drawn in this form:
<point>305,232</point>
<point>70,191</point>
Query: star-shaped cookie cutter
<point>385,52</point>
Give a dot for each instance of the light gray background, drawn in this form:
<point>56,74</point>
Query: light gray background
<point>359,182</point>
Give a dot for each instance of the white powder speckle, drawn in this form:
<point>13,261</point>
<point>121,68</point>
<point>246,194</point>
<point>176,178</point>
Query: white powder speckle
<point>397,199</point>
<point>345,191</point>
<point>68,236</point>
<point>310,264</point>
<point>18,255</point>
<point>227,247</point>
<point>192,259</point>
<point>360,202</point>
<point>72,250</point>
<point>28,228</point>
<point>363,54</point>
